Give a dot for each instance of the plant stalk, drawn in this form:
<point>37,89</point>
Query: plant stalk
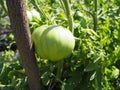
<point>3,6</point>
<point>95,15</point>
<point>19,23</point>
<point>35,3</point>
<point>68,14</point>
<point>59,70</point>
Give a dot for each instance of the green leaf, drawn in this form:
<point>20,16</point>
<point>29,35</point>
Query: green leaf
<point>91,67</point>
<point>45,78</point>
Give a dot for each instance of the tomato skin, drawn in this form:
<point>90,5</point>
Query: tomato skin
<point>32,15</point>
<point>29,15</point>
<point>36,37</point>
<point>55,43</point>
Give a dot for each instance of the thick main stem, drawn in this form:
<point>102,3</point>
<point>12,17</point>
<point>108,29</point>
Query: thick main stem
<point>21,31</point>
<point>68,14</point>
<point>59,69</point>
<point>95,15</point>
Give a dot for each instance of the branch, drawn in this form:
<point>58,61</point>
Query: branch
<point>21,31</point>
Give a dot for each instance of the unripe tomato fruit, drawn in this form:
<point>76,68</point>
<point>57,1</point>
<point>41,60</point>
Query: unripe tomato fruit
<point>33,14</point>
<point>53,42</point>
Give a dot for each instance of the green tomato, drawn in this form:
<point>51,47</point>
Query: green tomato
<point>35,14</point>
<point>54,42</point>
<point>32,15</point>
<point>36,36</point>
<point>29,15</point>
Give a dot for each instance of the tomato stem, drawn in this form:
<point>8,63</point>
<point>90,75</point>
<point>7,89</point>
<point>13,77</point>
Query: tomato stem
<point>95,15</point>
<point>35,3</point>
<point>3,6</point>
<point>59,70</point>
<point>68,14</point>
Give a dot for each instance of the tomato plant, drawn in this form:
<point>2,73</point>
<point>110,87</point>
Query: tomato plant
<point>94,63</point>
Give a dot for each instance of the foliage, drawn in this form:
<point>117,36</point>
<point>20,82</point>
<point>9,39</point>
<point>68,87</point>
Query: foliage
<point>94,63</point>
<point>12,75</point>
